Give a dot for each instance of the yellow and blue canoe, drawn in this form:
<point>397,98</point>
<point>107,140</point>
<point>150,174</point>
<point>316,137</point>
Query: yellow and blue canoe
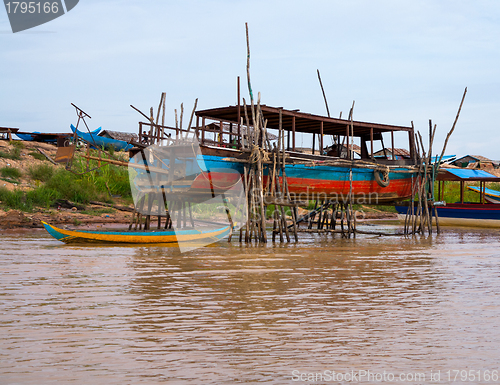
<point>160,236</point>
<point>492,196</point>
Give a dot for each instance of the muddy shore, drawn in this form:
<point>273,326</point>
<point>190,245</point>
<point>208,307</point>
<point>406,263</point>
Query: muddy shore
<point>17,219</point>
<point>14,219</point>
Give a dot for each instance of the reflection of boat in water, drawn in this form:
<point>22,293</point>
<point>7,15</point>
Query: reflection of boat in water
<point>144,237</point>
<point>479,214</point>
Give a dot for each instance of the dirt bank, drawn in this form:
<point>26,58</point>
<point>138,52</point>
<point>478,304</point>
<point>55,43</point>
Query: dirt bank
<point>28,155</point>
<point>17,219</point>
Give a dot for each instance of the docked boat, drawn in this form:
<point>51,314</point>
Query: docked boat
<point>138,237</point>
<point>324,172</point>
<point>101,141</point>
<point>43,137</point>
<point>462,213</point>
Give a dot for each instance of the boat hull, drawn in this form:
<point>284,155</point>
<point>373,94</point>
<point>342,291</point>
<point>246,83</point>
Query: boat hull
<point>471,215</point>
<point>139,237</point>
<point>307,182</point>
<point>100,141</point>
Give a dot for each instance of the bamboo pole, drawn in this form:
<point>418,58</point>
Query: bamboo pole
<point>191,118</point>
<point>246,187</point>
<point>182,115</point>
<point>163,115</point>
<point>324,96</point>
<point>159,108</point>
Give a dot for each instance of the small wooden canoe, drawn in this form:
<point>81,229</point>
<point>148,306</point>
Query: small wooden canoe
<point>167,236</point>
<point>492,196</point>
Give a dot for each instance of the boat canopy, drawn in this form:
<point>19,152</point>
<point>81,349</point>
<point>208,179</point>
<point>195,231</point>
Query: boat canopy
<point>466,175</point>
<point>294,120</point>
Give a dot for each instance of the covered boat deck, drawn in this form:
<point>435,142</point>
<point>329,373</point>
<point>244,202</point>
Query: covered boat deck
<point>463,176</point>
<point>294,121</point>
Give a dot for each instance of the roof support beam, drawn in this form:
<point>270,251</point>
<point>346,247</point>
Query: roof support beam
<point>321,138</point>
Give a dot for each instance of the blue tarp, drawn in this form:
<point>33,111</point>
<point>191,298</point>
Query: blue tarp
<point>469,174</point>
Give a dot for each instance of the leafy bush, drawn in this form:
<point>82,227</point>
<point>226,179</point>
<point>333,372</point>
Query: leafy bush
<point>42,196</point>
<point>14,199</point>
<point>73,187</point>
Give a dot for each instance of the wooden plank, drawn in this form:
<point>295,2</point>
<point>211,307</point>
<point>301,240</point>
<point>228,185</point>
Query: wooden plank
<point>45,155</point>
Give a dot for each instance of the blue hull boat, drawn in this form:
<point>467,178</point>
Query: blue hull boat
<point>43,137</point>
<point>463,214</point>
<point>102,142</point>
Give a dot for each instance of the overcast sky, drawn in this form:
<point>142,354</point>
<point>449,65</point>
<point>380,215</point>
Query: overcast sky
<point>400,61</point>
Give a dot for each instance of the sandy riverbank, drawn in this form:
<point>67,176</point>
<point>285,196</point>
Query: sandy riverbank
<point>14,219</point>
<point>17,219</point>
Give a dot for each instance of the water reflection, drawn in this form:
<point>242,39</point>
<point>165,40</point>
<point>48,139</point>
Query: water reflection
<point>231,313</point>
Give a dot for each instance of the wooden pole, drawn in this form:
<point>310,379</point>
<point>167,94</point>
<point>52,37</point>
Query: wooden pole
<point>321,138</point>
<point>371,142</point>
<point>248,66</point>
<point>182,115</point>
<point>323,91</point>
<point>239,115</point>
<point>191,118</point>
<point>203,126</point>
<point>221,125</point>
<point>163,115</point>
<point>392,146</point>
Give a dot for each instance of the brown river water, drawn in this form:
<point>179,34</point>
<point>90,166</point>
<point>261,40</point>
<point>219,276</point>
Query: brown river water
<point>326,310</point>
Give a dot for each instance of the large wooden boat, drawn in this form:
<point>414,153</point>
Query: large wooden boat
<point>323,172</point>
<point>138,237</point>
